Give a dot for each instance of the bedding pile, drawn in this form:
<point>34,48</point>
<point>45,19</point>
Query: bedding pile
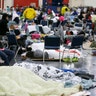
<point>69,78</point>
<point>18,81</point>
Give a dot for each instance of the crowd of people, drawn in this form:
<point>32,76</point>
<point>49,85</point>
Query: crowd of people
<point>17,19</point>
<point>26,24</point>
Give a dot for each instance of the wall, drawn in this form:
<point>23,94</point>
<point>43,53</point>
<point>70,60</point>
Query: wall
<point>8,3</point>
<point>25,2</point>
<point>1,4</point>
<point>76,3</point>
<point>40,3</point>
<point>90,3</point>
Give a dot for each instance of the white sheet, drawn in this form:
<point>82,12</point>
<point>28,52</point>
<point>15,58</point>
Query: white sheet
<point>54,53</point>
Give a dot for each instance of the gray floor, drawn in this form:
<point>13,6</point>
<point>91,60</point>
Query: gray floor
<point>88,63</point>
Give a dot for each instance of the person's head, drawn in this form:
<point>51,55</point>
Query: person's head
<point>7,6</point>
<point>10,17</point>
<point>5,16</point>
<point>71,32</point>
<point>68,33</point>
<point>30,54</point>
<point>66,9</point>
<point>12,25</point>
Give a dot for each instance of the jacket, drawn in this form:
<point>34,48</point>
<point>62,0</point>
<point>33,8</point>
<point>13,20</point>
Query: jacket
<point>64,9</point>
<point>3,25</point>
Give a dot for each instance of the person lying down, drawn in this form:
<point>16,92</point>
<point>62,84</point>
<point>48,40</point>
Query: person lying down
<point>49,54</point>
<point>38,54</point>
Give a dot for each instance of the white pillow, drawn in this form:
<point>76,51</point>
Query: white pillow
<point>31,28</point>
<point>46,29</point>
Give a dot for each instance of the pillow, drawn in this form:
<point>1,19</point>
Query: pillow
<point>31,28</point>
<point>46,29</point>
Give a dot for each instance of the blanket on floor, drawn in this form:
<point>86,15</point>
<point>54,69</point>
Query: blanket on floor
<point>18,81</point>
<point>68,78</point>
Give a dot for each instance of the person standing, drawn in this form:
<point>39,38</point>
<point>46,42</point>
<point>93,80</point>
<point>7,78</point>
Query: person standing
<point>3,25</point>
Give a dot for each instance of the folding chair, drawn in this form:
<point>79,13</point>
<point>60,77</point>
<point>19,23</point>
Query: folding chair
<point>44,22</point>
<point>12,41</point>
<point>76,43</point>
<point>54,25</point>
<point>51,42</point>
